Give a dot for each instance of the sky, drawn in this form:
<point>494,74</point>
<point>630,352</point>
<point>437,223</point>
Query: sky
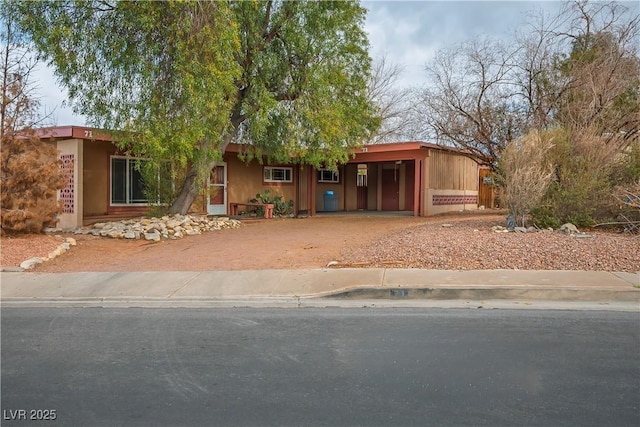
<point>408,33</point>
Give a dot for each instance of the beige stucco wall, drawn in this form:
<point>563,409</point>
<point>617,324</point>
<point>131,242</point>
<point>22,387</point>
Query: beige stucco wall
<point>431,209</point>
<point>73,147</point>
<point>402,170</point>
<point>350,177</point>
<point>372,189</point>
<point>245,180</point>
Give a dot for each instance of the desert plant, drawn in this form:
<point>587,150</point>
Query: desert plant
<point>628,197</point>
<point>30,169</point>
<point>280,207</point>
<point>524,173</point>
<point>582,191</point>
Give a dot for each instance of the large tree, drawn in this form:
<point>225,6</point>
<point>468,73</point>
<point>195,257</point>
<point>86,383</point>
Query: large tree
<point>469,100</point>
<point>181,80</point>
<point>577,70</point>
<point>602,98</point>
<point>394,104</point>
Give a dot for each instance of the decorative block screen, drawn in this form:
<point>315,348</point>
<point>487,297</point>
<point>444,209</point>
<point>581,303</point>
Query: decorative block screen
<point>67,193</point>
<point>441,199</point>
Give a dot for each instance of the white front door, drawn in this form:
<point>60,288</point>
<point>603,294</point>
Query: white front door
<point>217,200</point>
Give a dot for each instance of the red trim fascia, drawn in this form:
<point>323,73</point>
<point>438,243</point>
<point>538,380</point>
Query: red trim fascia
<point>77,132</point>
<point>388,156</point>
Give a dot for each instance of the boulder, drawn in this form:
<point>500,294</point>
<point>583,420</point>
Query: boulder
<point>31,262</point>
<point>155,236</point>
<point>569,228</point>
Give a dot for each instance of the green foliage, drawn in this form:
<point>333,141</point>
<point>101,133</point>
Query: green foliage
<point>160,187</point>
<point>181,80</point>
<point>280,207</point>
<point>543,216</point>
<point>628,170</point>
<point>581,193</point>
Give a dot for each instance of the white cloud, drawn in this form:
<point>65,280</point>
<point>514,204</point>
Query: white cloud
<point>411,32</point>
<point>52,96</point>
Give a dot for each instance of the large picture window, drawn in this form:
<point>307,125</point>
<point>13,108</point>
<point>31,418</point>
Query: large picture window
<point>127,185</point>
<point>327,175</point>
<point>277,174</point>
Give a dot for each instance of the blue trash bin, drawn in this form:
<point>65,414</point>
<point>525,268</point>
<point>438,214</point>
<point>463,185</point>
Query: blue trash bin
<point>330,201</point>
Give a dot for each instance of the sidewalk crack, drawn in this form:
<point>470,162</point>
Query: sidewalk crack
<point>183,285</point>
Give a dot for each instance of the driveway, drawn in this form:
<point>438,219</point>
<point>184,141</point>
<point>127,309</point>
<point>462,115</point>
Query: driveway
<point>265,244</point>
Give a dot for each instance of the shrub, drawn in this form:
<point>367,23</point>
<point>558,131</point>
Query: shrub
<point>524,173</point>
<point>280,207</point>
<point>31,176</point>
<point>582,190</point>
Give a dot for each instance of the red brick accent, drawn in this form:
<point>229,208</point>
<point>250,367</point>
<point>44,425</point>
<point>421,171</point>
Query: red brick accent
<point>444,199</point>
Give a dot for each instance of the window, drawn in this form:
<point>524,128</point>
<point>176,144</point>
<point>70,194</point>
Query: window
<point>277,174</point>
<point>361,180</point>
<point>327,175</point>
<point>127,185</point>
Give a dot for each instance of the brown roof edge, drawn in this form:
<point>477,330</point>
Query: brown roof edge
<point>411,145</point>
<point>68,132</point>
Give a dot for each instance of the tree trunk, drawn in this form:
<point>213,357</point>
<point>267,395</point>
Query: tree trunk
<point>188,193</point>
<point>190,188</point>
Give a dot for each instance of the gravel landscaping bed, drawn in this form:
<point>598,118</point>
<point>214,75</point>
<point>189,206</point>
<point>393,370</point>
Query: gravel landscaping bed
<point>470,244</point>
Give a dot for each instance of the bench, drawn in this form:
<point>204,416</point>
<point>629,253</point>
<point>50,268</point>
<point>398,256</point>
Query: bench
<point>268,208</point>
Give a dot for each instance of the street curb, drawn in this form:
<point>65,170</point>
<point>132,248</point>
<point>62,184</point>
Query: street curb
<point>493,293</point>
<point>316,303</point>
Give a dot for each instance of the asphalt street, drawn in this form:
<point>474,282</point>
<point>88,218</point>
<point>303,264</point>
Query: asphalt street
<point>334,367</point>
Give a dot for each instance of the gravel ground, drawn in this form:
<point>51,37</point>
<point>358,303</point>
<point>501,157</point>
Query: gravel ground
<point>18,248</point>
<point>351,240</point>
<point>470,244</point>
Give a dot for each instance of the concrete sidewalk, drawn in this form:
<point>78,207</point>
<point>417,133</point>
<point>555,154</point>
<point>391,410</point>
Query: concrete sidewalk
<point>297,285</point>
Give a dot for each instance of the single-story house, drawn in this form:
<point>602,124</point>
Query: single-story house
<point>417,177</point>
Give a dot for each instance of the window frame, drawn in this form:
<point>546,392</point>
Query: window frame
<point>127,186</point>
<point>335,176</point>
<point>272,180</point>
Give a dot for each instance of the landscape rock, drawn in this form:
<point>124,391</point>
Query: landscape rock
<point>71,241</point>
<point>520,229</point>
<point>155,236</point>
<point>569,228</point>
<point>155,229</point>
<point>57,252</point>
<point>31,262</point>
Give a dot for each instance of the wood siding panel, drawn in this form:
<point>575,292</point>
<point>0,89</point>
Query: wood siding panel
<point>448,171</point>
